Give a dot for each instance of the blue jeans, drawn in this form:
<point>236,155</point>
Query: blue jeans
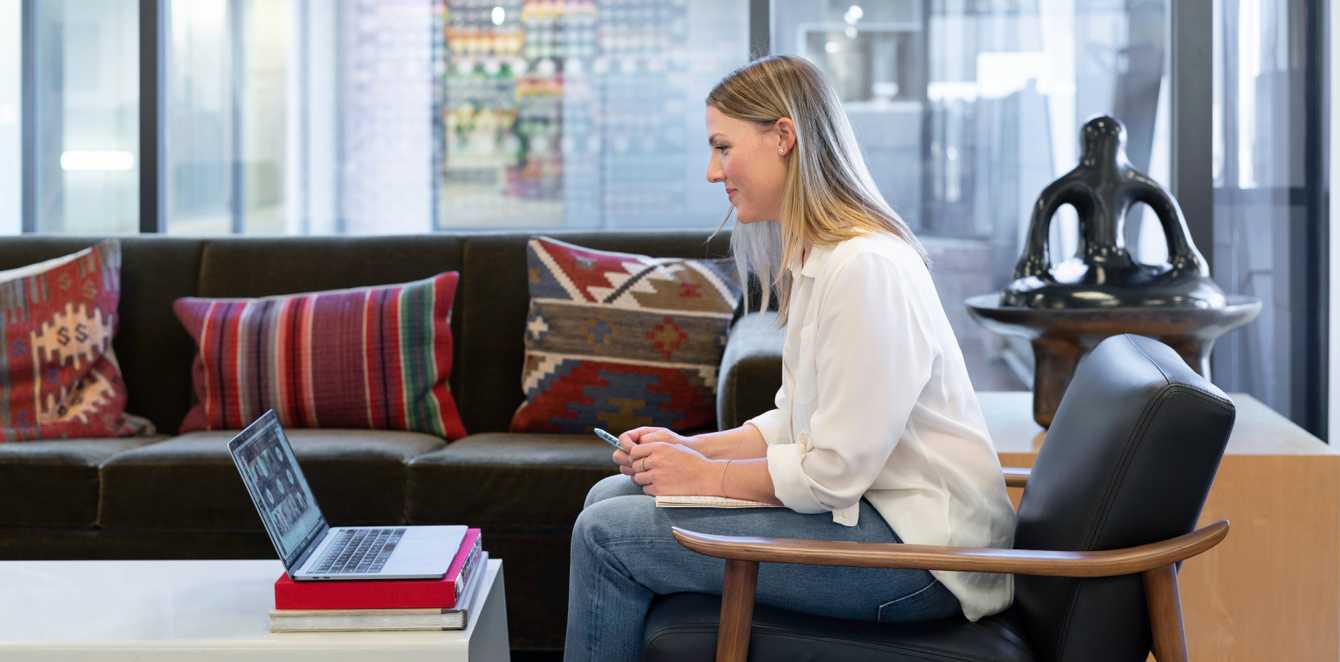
<point>623,555</point>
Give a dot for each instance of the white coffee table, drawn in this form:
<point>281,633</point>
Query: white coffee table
<point>204,610</point>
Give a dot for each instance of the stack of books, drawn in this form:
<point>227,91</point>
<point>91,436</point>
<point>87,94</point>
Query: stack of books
<point>384,604</point>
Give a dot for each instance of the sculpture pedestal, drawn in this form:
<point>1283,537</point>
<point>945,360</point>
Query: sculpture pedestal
<point>1060,337</point>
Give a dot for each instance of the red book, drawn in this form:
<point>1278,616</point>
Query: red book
<point>385,593</point>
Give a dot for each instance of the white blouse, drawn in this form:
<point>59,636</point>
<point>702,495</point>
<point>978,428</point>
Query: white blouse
<point>876,403</point>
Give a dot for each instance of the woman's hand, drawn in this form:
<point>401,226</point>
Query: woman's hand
<point>663,468</point>
<point>644,435</point>
<point>740,443</point>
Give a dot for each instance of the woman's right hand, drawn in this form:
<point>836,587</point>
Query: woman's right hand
<point>644,435</point>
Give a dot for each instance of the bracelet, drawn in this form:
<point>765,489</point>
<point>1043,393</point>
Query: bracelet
<point>723,477</point>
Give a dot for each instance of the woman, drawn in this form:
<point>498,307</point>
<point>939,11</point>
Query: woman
<point>877,435</point>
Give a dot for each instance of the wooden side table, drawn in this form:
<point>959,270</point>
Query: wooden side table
<point>1271,590</point>
<point>1061,337</point>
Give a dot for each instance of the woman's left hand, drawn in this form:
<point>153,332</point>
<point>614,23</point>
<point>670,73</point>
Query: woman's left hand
<point>673,469</point>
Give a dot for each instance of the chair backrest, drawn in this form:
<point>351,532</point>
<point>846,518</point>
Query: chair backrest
<point>1128,460</point>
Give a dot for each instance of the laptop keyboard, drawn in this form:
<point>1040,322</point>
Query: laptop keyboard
<point>358,551</point>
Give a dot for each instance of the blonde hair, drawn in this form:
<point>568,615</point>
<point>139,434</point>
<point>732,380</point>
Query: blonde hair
<point>829,194</point>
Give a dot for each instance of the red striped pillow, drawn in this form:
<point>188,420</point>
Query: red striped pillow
<point>376,358</point>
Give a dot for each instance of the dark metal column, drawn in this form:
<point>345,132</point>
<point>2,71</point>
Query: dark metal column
<point>760,28</point>
<point>28,114</point>
<point>1309,238</point>
<point>1192,100</point>
<point>151,114</point>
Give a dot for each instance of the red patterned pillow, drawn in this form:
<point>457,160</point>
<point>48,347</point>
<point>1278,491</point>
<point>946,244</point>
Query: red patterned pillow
<point>375,358</point>
<point>58,375</point>
<point>617,340</point>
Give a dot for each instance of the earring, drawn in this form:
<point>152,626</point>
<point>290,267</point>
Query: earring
<point>781,152</point>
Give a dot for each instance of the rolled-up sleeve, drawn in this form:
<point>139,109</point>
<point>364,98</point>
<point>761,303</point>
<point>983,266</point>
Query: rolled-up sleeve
<point>774,424</point>
<point>874,355</point>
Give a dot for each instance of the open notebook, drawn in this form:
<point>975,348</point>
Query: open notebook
<point>708,502</point>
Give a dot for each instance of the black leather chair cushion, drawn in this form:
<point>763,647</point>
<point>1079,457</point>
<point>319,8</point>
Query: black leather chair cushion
<point>1128,461</point>
<point>189,482</point>
<point>54,484</point>
<point>683,628</point>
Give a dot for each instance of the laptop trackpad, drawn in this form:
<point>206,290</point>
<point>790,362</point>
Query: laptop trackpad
<point>425,551</point>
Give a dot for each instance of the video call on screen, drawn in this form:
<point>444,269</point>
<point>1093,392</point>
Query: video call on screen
<point>284,500</point>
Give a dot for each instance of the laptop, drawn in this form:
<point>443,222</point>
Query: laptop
<point>309,548</point>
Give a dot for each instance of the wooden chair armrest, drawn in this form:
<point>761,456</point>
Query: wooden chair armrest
<point>1016,476</point>
<point>1107,563</point>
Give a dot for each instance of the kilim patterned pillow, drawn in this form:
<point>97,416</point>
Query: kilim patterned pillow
<point>616,340</point>
<point>374,358</point>
<point>58,375</point>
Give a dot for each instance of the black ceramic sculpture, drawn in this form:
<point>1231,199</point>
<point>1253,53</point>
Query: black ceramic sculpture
<point>1102,189</point>
<point>1067,309</point>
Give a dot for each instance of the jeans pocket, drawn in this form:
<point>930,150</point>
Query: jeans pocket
<point>929,602</point>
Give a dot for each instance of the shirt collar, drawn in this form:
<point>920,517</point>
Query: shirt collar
<point>814,262</point>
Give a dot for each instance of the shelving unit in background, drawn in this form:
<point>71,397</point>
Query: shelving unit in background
<point>561,112</point>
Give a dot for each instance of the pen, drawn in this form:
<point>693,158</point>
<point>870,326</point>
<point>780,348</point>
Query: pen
<point>609,439</point>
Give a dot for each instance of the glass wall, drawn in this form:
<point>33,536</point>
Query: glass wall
<point>87,116</point>
<point>198,121</point>
<point>965,110</point>
<point>385,117</point>
<point>583,114</point>
<point>226,95</point>
<point>305,116</point>
<point>301,116</point>
<point>1270,198</point>
<point>11,181</point>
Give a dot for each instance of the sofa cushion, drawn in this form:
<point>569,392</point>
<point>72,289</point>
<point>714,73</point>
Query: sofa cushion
<point>54,484</point>
<point>376,358</point>
<point>59,377</point>
<point>494,300</point>
<point>751,369</point>
<point>190,482</point>
<point>501,481</point>
<point>259,267</point>
<point>620,340</point>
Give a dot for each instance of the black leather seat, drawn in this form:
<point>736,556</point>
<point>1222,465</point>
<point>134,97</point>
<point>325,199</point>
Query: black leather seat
<point>684,627</point>
<point>1128,461</point>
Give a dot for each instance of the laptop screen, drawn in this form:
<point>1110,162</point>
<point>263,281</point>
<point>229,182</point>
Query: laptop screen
<point>272,476</point>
